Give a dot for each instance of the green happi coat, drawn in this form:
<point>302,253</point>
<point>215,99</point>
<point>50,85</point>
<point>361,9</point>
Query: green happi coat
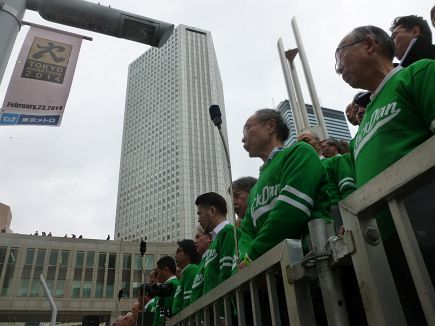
<point>290,191</point>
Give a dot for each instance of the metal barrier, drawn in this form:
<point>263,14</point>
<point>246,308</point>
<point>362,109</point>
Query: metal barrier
<point>278,283</point>
<point>377,288</point>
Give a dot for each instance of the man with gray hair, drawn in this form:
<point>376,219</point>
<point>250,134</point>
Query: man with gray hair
<point>310,137</point>
<point>399,117</point>
<point>290,191</point>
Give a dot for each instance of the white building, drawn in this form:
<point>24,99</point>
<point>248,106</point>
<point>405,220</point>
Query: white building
<point>171,152</point>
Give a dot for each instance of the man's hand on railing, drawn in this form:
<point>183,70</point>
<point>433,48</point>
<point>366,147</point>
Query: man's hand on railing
<point>341,231</point>
<point>242,265</point>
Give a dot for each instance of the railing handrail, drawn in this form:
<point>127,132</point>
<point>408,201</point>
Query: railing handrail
<point>396,180</point>
<point>262,264</point>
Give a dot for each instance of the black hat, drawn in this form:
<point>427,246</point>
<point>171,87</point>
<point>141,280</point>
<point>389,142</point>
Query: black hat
<point>362,99</point>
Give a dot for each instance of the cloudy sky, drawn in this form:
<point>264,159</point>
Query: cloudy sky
<point>64,180</point>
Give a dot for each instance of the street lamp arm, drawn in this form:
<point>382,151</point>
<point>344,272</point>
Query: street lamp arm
<point>105,20</point>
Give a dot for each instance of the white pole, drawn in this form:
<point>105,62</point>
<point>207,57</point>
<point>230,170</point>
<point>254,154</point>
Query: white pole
<point>309,78</point>
<point>50,299</point>
<point>290,89</point>
<point>302,107</point>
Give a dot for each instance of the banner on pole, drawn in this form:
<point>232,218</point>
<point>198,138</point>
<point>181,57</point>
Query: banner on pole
<point>42,78</point>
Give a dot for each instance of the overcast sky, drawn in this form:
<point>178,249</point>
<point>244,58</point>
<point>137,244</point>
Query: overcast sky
<point>65,179</point>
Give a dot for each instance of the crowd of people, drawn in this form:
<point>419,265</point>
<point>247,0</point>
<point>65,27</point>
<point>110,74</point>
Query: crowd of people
<point>306,180</point>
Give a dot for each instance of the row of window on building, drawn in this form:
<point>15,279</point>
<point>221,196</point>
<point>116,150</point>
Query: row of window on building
<point>92,274</point>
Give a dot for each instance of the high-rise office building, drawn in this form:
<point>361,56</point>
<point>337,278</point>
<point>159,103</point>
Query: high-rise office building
<point>171,152</point>
<point>335,121</point>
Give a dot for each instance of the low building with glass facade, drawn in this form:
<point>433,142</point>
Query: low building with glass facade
<point>335,121</point>
<point>83,275</point>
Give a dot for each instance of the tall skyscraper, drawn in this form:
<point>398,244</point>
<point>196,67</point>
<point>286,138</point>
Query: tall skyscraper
<point>171,152</point>
<point>335,121</point>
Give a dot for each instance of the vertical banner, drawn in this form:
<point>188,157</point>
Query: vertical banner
<point>42,78</point>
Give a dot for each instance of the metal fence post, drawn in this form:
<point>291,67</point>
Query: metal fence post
<point>330,284</point>
<point>298,296</point>
<point>414,259</point>
<point>378,292</point>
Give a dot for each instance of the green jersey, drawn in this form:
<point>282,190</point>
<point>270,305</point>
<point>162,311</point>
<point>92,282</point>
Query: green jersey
<point>216,264</point>
<point>290,191</point>
<point>220,258</point>
<point>400,116</point>
<point>184,290</point>
<point>165,304</point>
<point>341,176</point>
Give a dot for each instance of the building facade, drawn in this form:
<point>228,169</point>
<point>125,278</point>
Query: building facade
<point>5,218</point>
<point>336,123</point>
<point>84,276</point>
<point>171,151</point>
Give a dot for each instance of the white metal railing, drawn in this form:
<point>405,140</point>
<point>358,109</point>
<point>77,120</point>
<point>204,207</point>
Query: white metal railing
<point>277,283</point>
<point>389,189</point>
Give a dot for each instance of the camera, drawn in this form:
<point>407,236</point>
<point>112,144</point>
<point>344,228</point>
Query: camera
<point>162,290</point>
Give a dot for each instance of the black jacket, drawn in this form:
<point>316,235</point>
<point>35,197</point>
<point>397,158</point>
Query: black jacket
<point>420,50</point>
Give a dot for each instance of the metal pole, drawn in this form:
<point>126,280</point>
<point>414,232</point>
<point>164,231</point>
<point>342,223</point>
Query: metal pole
<point>290,89</point>
<point>309,78</point>
<point>50,299</point>
<point>227,155</point>
<point>330,285</point>
<point>11,14</point>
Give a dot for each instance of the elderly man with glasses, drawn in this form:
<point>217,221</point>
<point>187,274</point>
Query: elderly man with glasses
<point>290,191</point>
<point>399,117</point>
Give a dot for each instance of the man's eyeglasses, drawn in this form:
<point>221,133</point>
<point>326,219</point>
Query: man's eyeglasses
<point>249,126</point>
<point>338,52</point>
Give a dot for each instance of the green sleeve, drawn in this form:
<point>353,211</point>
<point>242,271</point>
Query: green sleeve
<point>330,164</point>
<point>226,253</point>
<point>198,283</point>
<point>301,177</point>
<point>151,305</point>
<point>247,233</point>
<point>188,277</point>
<point>346,175</point>
<point>177,305</point>
<point>158,320</point>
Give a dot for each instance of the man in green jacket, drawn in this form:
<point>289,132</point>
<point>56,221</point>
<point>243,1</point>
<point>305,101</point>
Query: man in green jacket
<point>218,262</point>
<point>399,117</point>
<point>202,243</point>
<point>290,191</point>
